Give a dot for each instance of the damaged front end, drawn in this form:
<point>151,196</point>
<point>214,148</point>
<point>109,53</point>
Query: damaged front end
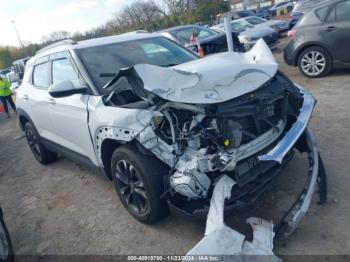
<point>240,118</point>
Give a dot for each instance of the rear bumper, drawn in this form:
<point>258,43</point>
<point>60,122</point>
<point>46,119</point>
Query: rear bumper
<point>297,137</point>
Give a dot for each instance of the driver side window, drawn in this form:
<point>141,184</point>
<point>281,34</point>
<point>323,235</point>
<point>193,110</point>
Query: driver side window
<point>62,70</point>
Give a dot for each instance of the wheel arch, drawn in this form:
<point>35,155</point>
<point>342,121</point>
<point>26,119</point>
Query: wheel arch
<point>109,145</point>
<point>23,118</point>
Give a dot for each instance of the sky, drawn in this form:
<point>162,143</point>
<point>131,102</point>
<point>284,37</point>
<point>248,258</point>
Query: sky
<point>37,18</point>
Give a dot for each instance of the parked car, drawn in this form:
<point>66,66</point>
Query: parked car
<point>237,15</point>
<point>263,12</point>
<point>250,34</point>
<point>279,26</point>
<point>6,249</point>
<point>12,78</point>
<point>321,40</point>
<point>217,44</point>
<point>302,7</point>
<point>165,125</point>
<point>19,67</point>
<point>281,7</point>
<point>210,40</point>
<point>183,34</point>
<point>294,18</point>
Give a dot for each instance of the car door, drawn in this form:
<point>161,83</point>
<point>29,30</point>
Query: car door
<point>69,114</point>
<point>36,99</point>
<point>335,31</point>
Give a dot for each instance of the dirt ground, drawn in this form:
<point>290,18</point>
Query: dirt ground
<point>65,208</point>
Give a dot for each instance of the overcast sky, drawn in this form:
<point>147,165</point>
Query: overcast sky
<point>36,18</point>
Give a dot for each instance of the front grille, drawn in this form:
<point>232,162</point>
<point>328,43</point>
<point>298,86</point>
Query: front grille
<point>256,112</point>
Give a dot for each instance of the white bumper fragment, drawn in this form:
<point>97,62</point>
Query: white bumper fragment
<point>221,240</point>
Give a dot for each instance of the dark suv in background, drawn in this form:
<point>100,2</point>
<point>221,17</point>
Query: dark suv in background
<point>321,40</point>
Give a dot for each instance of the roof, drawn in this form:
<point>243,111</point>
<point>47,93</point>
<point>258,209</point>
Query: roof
<point>71,45</point>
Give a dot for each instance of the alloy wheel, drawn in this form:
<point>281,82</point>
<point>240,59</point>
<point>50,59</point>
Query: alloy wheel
<point>131,187</point>
<point>33,142</point>
<point>313,63</point>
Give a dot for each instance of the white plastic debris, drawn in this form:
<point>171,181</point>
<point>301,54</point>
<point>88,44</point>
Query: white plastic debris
<point>221,240</point>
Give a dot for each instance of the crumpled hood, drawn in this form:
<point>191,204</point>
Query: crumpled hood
<point>212,79</point>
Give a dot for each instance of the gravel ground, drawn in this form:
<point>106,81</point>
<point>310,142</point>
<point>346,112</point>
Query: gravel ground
<point>65,208</point>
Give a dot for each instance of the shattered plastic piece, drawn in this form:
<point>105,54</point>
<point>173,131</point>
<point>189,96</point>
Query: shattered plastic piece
<point>222,191</point>
<point>221,240</point>
<point>262,237</point>
<point>194,185</point>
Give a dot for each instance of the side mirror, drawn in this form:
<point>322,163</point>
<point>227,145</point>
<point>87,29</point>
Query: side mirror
<point>65,88</point>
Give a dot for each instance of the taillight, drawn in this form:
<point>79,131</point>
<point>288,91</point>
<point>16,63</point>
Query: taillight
<point>292,33</point>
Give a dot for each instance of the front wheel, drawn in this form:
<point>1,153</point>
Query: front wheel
<point>138,180</point>
<point>314,62</point>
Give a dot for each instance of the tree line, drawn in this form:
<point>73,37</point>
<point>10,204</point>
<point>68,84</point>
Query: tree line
<point>147,15</point>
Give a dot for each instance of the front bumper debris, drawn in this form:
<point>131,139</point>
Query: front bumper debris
<point>316,175</point>
<point>221,240</point>
<point>299,137</point>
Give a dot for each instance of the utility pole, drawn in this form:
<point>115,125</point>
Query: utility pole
<point>19,39</point>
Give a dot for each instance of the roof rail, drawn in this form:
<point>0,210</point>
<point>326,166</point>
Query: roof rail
<point>62,42</point>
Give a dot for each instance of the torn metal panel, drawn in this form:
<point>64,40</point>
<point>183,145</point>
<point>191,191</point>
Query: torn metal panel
<point>120,124</point>
<point>213,79</point>
<point>157,146</point>
<point>221,240</point>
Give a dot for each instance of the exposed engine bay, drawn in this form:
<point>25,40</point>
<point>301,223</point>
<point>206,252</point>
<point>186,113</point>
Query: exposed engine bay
<point>202,141</point>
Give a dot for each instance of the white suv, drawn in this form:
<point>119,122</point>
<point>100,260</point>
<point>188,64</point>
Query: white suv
<point>165,125</point>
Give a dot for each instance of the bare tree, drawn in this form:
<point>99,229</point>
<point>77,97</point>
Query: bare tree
<point>176,6</point>
<point>56,36</point>
<point>137,13</point>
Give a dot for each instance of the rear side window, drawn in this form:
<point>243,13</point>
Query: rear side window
<point>63,70</point>
<point>322,13</point>
<point>41,75</point>
<point>342,11</point>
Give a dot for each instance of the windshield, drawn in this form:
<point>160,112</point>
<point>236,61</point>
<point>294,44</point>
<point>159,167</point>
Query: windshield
<point>255,20</point>
<point>240,26</point>
<point>104,62</point>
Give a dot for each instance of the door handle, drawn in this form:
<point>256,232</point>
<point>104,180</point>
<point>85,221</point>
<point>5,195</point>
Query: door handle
<point>331,28</point>
<point>51,101</point>
<point>25,97</point>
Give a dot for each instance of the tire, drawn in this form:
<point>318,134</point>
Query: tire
<point>40,152</point>
<point>5,243</point>
<point>314,62</point>
<point>140,188</point>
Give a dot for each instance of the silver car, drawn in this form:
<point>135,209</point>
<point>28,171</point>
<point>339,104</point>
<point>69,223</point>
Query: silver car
<point>279,26</point>
<point>249,34</point>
